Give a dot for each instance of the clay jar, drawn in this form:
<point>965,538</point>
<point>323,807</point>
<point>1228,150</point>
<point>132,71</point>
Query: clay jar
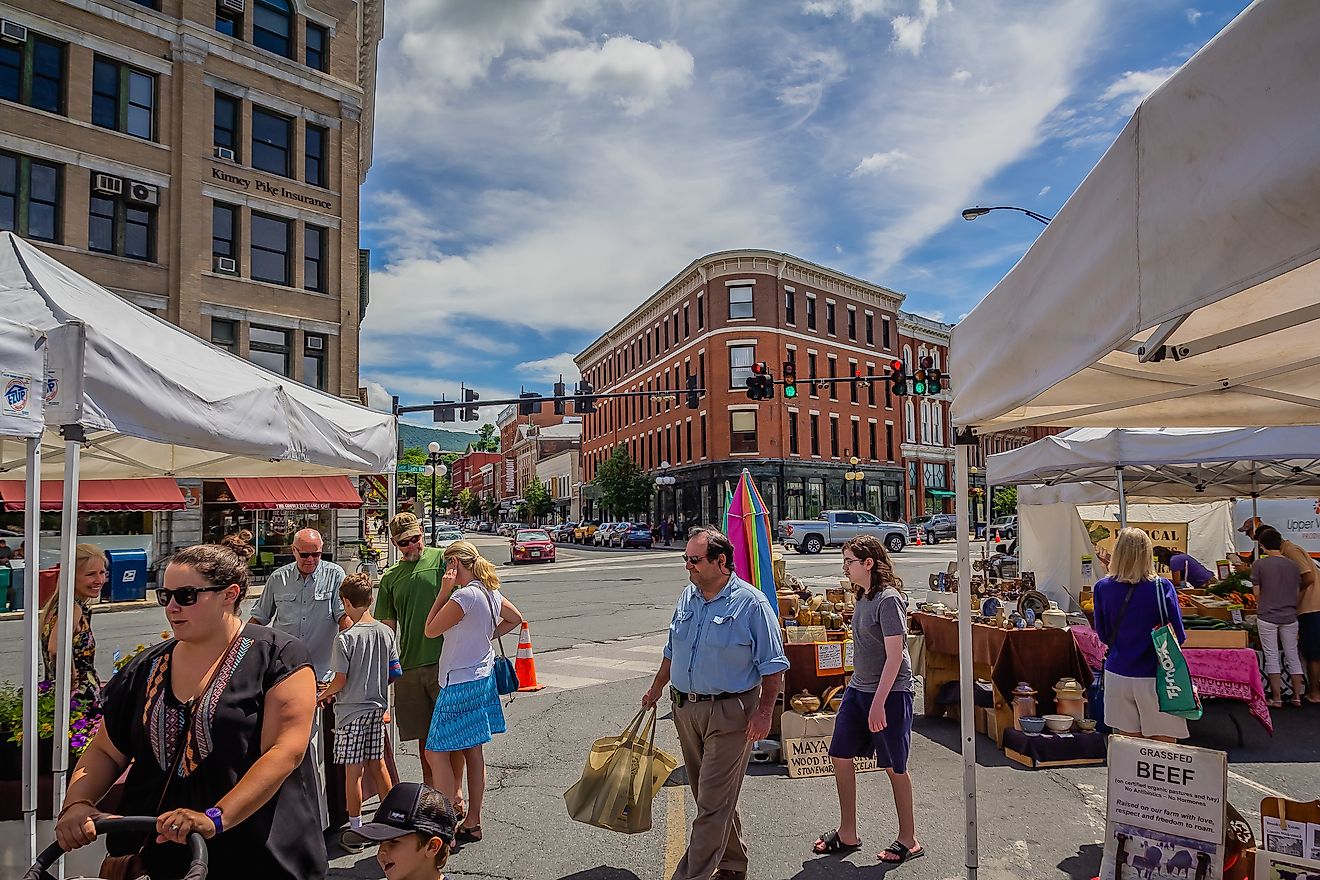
<point>1070,698</point>
<point>805,702</point>
<point>1024,703</point>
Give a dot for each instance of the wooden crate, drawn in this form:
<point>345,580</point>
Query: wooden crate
<point>1216,638</point>
<point>1028,761</point>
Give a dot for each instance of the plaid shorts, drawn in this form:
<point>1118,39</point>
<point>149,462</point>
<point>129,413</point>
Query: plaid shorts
<point>362,739</point>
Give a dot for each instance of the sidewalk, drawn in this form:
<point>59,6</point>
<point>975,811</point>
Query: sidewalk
<point>253,592</point>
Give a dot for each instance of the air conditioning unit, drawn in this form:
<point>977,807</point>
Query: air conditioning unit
<point>226,264</point>
<point>315,343</point>
<point>143,193</point>
<point>107,184</point>
<point>13,32</point>
<point>232,5</point>
<point>226,154</point>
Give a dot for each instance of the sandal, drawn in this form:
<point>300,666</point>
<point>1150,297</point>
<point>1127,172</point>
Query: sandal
<point>1296,701</point>
<point>468,835</point>
<point>1275,704</point>
<point>830,842</point>
<point>904,854</point>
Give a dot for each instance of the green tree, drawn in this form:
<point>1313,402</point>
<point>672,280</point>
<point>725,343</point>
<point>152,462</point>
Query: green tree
<point>537,497</point>
<point>624,488</point>
<point>486,439</point>
<point>490,505</point>
<point>469,503</point>
<point>1005,503</point>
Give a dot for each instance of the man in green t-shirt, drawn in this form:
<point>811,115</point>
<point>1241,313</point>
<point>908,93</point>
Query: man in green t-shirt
<point>407,591</point>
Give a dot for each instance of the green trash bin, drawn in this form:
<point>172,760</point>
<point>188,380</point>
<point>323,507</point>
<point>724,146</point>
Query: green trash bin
<point>6,576</point>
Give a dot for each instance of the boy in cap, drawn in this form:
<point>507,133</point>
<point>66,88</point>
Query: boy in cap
<point>415,829</point>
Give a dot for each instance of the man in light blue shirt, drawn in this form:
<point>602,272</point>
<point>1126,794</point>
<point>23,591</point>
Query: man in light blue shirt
<point>725,666</point>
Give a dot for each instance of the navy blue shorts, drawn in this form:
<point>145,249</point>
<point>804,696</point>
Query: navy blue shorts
<point>853,737</point>
<point>1308,635</point>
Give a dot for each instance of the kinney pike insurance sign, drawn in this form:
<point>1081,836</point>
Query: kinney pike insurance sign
<point>1165,810</point>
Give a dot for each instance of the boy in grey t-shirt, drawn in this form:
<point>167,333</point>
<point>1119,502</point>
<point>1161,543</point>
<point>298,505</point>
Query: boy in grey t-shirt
<point>365,661</point>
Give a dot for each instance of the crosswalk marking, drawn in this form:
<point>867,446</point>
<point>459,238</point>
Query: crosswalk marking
<point>595,663</point>
<point>608,663</point>
<point>554,681</point>
<point>647,649</point>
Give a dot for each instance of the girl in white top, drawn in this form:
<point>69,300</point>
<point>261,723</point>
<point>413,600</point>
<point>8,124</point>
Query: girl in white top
<point>467,712</point>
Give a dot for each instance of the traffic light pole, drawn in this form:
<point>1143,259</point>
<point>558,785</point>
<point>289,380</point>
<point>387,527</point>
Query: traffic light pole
<point>536,401</point>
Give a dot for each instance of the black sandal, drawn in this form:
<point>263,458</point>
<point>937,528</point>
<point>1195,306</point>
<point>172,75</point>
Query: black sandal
<point>829,842</point>
<point>468,835</point>
<point>904,854</point>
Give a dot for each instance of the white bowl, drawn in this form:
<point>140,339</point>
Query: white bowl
<point>1059,723</point>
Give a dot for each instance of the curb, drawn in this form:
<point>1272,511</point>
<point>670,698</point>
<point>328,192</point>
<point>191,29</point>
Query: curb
<point>116,607</point>
<point>567,545</point>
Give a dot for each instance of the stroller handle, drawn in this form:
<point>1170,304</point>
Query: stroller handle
<point>197,869</point>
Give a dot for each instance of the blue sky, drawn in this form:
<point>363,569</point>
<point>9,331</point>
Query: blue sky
<point>543,166</point>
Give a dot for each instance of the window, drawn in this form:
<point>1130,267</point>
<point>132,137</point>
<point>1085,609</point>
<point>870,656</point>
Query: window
<point>272,26</point>
<point>852,323</point>
<point>225,128</point>
<point>815,434</point>
<point>870,385</point>
<point>30,197</point>
<point>272,142</point>
<point>829,318</point>
<point>889,393</point>
<point>687,324</point>
<point>269,347</point>
<point>123,99</point>
<point>790,307</point>
<point>115,227</point>
<point>224,334</point>
<point>834,436</point>
<point>666,348</point>
<point>846,519</point>
<point>701,311</point>
<point>870,329</point>
<point>314,349</point>
<point>315,140</point>
<point>272,248</point>
<point>224,231</point>
<point>314,257</point>
<point>703,435</point>
<point>32,73</point>
<point>889,441</point>
<point>811,312</point>
<point>871,431</point>
<point>811,374</point>
<point>229,22</point>
<point>833,363</point>
<point>884,333</point>
<point>318,41</point>
<point>742,430</point>
<point>675,321</point>
<point>740,302</point>
<point>856,438</point>
<point>689,439</point>
<point>701,369</point>
<point>792,433</point>
<point>741,358</point>
<point>852,386</point>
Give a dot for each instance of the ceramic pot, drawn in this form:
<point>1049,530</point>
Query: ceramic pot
<point>803,617</point>
<point>1069,688</point>
<point>788,605</point>
<point>805,702</point>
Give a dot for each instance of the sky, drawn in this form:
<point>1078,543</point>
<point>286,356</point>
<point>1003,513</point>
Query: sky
<point>542,167</point>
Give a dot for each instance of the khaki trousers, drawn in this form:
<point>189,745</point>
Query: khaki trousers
<point>713,738</point>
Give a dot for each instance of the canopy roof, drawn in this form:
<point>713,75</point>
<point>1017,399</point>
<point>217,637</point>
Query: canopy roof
<point>158,401</point>
<point>294,493</point>
<point>1165,463</point>
<point>1178,285</point>
<point>152,493</point>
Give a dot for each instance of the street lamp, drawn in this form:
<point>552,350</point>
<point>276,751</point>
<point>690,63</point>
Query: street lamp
<point>661,481</point>
<point>978,211</point>
<point>854,478</point>
<point>435,467</point>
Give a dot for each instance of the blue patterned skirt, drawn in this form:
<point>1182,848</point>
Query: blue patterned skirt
<point>466,715</point>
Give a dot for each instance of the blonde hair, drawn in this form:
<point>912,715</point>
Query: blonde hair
<point>84,553</point>
<point>467,553</point>
<point>1133,561</point>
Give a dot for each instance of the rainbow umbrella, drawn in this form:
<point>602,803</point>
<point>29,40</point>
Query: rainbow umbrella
<point>747,524</point>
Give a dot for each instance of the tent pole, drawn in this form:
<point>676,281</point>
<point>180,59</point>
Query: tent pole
<point>31,635</point>
<point>966,676</point>
<point>1122,499</point>
<point>73,440</point>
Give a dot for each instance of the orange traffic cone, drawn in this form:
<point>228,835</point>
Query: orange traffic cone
<point>525,663</point>
<point>917,543</point>
<point>996,536</point>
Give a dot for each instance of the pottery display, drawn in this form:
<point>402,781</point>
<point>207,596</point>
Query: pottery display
<point>1032,724</point>
<point>1059,723</point>
<point>1054,618</point>
<point>788,605</point>
<point>804,616</point>
<point>805,702</point>
<point>1024,703</point>
<point>1086,725</point>
<point>832,699</point>
<point>1070,698</point>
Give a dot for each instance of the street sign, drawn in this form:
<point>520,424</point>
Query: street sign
<point>411,469</point>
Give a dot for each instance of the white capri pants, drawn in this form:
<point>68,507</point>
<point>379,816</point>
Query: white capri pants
<point>1270,634</point>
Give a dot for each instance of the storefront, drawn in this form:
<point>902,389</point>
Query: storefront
<point>274,509</point>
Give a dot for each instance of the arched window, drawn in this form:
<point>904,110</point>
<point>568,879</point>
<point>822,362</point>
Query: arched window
<point>911,427</point>
<point>272,26</point>
<point>925,421</point>
<point>907,357</point>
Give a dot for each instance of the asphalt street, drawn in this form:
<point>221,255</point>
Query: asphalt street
<point>598,622</point>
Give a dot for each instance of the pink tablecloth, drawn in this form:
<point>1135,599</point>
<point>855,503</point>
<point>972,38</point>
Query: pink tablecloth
<point>1231,673</point>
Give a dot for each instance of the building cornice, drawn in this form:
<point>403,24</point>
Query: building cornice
<point>921,327</point>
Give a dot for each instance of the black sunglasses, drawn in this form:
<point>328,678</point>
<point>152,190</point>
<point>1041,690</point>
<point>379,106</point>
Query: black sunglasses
<point>184,596</point>
<point>408,542</point>
<point>314,553</point>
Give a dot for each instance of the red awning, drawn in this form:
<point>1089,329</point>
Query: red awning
<point>294,493</point>
<point>150,493</point>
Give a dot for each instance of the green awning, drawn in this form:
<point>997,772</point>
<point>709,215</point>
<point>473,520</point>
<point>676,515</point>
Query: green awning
<point>940,493</point>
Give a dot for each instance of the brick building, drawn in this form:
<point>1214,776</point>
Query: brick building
<point>465,473</point>
<point>927,433</point>
<point>714,320</point>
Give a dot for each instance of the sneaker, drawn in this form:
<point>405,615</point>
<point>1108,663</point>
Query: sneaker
<point>350,846</point>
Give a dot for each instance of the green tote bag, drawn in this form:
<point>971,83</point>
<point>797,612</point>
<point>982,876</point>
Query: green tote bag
<point>1173,680</point>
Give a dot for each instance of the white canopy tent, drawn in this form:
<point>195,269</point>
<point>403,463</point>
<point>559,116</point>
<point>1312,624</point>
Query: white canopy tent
<point>143,398</point>
<point>1178,285</point>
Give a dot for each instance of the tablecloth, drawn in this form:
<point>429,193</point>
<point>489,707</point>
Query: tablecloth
<point>1230,673</point>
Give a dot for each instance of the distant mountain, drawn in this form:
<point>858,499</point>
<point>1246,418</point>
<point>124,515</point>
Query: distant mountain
<point>420,436</point>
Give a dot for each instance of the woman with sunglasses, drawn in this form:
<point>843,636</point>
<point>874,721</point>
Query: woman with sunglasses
<point>213,727</point>
<point>468,612</point>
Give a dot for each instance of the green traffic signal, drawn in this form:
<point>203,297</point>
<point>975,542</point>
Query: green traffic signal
<point>790,391</point>
<point>918,387</point>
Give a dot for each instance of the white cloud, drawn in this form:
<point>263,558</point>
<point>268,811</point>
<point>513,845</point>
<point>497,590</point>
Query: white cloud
<point>910,30</point>
<point>962,74</point>
<point>808,76</point>
<point>856,9</point>
<point>878,162</point>
<point>549,369</point>
<point>636,75</point>
<point>1194,15</point>
<point>1044,191</point>
<point>1134,85</point>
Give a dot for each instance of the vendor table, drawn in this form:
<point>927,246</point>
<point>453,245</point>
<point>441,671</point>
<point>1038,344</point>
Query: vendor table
<point>1039,657</point>
<point>1230,673</point>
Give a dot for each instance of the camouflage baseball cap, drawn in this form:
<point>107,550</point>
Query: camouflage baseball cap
<point>404,525</point>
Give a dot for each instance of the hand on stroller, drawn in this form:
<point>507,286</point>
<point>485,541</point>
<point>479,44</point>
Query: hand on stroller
<point>75,827</point>
<point>176,825</point>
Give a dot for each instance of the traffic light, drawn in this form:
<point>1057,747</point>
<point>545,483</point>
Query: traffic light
<point>444,411</point>
<point>470,412</point>
<point>583,402</point>
<point>530,403</point>
<point>859,378</point>
<point>934,381</point>
<point>898,377</point>
<point>693,398</point>
<point>760,385</point>
<point>559,392</point>
<point>790,380</point>
<point>921,375</point>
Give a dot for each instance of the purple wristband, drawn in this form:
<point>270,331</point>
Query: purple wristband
<point>215,816</point>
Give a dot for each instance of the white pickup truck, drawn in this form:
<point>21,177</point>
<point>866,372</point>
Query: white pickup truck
<point>833,527</point>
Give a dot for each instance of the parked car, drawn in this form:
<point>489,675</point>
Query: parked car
<point>940,527</point>
<point>917,527</point>
<point>1004,526</point>
<point>636,535</point>
<point>834,527</point>
<point>446,535</point>
<point>484,527</point>
<point>602,535</point>
<point>531,545</point>
<point>617,533</point>
<point>584,532</point>
<point>563,532</point>
<point>608,537</point>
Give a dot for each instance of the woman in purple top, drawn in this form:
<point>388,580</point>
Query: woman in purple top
<point>1130,603</point>
<point>1183,569</point>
